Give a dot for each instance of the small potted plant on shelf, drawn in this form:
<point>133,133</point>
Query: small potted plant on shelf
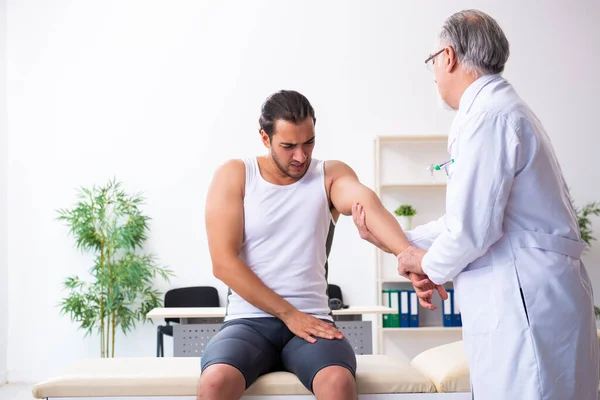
<point>404,214</point>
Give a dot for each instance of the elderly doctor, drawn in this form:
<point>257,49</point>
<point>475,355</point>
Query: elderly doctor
<point>509,238</point>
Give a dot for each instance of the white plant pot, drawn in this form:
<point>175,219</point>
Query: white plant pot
<point>405,222</point>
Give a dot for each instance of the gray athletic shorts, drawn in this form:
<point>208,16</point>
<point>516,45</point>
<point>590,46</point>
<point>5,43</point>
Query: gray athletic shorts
<point>256,346</point>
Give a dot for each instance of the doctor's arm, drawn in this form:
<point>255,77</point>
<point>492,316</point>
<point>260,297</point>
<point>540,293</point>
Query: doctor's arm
<point>421,237</point>
<point>424,235</point>
<point>482,176</point>
<point>224,216</point>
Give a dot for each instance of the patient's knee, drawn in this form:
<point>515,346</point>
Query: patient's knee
<point>221,381</point>
<point>335,379</point>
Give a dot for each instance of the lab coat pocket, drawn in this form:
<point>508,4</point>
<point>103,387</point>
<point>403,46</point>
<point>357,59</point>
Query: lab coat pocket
<point>474,292</point>
<point>450,171</point>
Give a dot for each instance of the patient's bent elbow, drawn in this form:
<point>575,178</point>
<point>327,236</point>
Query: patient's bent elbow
<point>223,270</point>
<point>219,271</point>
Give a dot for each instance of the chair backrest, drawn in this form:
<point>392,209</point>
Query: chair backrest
<point>336,301</point>
<point>334,292</point>
<point>192,296</point>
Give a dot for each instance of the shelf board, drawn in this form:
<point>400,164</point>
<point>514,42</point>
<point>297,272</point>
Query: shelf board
<point>399,278</point>
<point>424,329</point>
<point>415,138</point>
<point>412,185</point>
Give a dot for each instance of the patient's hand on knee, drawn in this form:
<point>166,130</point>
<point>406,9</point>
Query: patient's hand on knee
<point>308,327</point>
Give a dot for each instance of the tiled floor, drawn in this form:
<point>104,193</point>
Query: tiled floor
<point>15,392</point>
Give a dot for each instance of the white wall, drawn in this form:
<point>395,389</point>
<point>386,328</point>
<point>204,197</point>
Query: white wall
<point>158,94</point>
<point>3,197</point>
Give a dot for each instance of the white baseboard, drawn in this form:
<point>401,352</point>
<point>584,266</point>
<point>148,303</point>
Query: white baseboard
<point>25,377</point>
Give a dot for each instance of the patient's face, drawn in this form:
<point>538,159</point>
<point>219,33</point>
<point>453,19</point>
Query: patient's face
<point>291,146</point>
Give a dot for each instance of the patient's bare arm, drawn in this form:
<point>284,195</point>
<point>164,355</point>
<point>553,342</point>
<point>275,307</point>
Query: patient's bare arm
<point>346,192</point>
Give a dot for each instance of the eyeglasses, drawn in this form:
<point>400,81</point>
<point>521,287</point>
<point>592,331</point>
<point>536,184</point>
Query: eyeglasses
<point>431,58</point>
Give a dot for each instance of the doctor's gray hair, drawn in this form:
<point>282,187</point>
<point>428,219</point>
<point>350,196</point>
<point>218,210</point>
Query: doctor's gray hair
<point>478,42</point>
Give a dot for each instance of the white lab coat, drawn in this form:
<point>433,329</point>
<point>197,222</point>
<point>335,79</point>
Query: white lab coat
<point>509,226</point>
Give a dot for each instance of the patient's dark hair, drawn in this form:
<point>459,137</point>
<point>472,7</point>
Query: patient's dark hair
<point>287,105</point>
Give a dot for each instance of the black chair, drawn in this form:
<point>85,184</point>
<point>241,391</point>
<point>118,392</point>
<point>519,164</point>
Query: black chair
<point>194,296</point>
<point>336,301</point>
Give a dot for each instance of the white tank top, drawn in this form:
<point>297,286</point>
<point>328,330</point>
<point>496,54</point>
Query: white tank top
<point>287,234</point>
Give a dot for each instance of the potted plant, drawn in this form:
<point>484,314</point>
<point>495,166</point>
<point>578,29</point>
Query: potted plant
<point>404,214</point>
<point>109,224</point>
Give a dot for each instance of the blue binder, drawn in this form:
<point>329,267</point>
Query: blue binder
<point>404,309</point>
<point>447,309</point>
<point>414,309</point>
<point>456,318</point>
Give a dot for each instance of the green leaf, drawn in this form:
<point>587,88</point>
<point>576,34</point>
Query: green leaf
<point>405,210</point>
<point>584,222</point>
<point>110,224</point>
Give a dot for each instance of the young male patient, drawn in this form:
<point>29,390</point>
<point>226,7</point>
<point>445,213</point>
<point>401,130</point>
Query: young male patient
<point>270,221</point>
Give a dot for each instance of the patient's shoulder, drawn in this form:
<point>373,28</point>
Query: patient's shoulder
<point>336,169</point>
<point>233,166</point>
<point>230,174</point>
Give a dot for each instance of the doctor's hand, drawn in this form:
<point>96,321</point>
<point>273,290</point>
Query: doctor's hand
<point>410,261</point>
<point>425,289</point>
<point>358,216</point>
<point>409,265</point>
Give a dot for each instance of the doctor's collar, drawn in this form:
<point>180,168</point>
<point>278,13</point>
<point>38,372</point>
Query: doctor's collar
<point>466,100</point>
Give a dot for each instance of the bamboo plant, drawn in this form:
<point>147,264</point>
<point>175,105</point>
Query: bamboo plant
<point>583,219</point>
<point>585,228</point>
<point>109,223</point>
